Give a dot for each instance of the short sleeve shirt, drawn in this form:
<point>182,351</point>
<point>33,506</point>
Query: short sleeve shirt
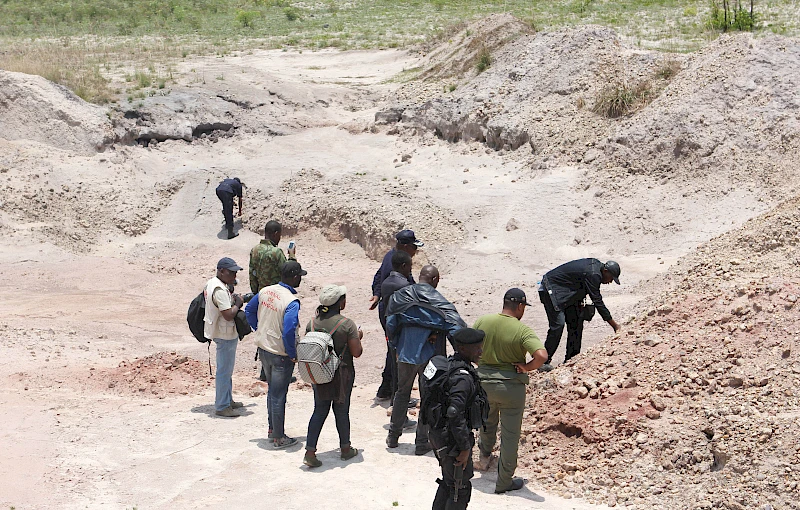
<point>507,341</point>
<point>222,299</point>
<point>344,333</point>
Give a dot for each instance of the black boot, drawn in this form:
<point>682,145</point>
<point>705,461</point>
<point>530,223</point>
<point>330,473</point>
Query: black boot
<point>231,233</point>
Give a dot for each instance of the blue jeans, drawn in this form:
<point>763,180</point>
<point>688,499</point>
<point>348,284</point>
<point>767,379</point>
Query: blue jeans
<point>340,411</point>
<point>226,358</point>
<point>278,370</point>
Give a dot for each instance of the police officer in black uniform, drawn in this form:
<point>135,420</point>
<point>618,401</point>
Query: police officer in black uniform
<point>456,404</point>
<point>226,191</point>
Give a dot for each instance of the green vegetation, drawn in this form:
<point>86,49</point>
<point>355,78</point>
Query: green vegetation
<point>484,60</point>
<point>80,43</point>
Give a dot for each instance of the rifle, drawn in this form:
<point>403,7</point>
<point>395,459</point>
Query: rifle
<point>458,475</point>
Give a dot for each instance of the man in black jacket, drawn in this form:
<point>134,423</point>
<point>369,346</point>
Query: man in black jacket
<point>226,191</point>
<point>562,292</point>
<point>464,408</point>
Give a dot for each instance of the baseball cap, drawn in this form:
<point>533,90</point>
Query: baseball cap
<point>330,294</point>
<point>614,269</point>
<point>516,295</point>
<point>292,268</point>
<point>408,237</point>
<point>467,336</point>
<point>228,263</point>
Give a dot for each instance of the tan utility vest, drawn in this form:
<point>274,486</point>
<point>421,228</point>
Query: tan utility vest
<point>215,324</point>
<point>272,303</point>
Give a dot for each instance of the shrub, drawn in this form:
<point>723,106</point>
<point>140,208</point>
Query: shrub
<point>292,13</point>
<point>614,101</point>
<point>143,79</point>
<point>247,19</point>
<point>668,69</point>
<point>484,60</point>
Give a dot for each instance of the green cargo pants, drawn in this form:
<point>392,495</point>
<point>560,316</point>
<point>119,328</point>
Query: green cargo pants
<point>506,404</point>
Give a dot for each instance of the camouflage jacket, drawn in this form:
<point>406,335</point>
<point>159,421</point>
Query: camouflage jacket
<point>265,265</point>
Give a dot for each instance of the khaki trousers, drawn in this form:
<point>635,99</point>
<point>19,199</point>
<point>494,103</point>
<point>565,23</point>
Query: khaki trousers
<point>506,405</point>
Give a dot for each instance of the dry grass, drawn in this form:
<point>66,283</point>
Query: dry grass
<point>621,98</point>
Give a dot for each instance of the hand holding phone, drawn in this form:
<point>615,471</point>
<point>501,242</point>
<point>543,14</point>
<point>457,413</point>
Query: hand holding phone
<point>291,249</point>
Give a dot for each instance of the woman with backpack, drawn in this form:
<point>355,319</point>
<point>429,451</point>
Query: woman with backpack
<point>336,394</point>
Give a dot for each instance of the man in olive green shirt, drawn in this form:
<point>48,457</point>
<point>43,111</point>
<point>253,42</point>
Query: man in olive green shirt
<point>503,370</point>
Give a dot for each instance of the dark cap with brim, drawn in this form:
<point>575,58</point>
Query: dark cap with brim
<point>228,263</point>
<point>516,295</point>
<point>408,237</point>
<point>292,268</point>
<point>468,336</point>
<point>613,268</point>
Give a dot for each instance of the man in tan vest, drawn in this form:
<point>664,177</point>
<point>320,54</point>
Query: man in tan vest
<point>221,309</point>
<point>274,317</point>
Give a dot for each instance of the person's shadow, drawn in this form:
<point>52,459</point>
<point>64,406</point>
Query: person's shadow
<point>210,411</point>
<point>266,444</point>
<point>237,226</point>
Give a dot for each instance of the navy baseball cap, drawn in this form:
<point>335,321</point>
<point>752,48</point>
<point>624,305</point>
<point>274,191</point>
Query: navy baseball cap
<point>408,237</point>
<point>228,263</point>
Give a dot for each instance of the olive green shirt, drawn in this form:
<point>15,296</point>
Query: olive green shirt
<point>341,337</point>
<point>507,341</point>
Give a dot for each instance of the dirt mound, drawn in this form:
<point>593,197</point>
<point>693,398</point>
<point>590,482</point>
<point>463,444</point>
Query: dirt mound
<point>32,108</point>
<point>157,375</point>
<point>731,111</point>
<point>532,95</point>
<point>366,213</point>
<point>696,404</point>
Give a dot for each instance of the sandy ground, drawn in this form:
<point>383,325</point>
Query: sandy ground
<point>70,317</point>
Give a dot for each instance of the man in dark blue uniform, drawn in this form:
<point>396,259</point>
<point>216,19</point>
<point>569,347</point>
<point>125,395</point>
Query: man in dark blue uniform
<point>562,293</point>
<point>454,405</point>
<point>226,190</point>
<point>407,242</point>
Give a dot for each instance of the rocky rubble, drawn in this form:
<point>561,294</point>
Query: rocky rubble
<point>156,375</point>
<point>345,209</point>
<point>695,404</point>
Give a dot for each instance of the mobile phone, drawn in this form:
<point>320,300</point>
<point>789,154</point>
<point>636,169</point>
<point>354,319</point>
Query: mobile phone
<point>291,245</point>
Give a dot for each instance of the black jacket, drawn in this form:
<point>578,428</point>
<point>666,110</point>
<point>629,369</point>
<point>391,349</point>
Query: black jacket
<point>569,283</point>
<point>395,281</point>
<point>464,387</point>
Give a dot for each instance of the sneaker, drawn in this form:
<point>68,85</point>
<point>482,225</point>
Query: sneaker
<point>484,461</point>
<point>409,424</point>
<point>546,367</point>
<point>236,405</point>
<point>284,442</point>
<point>413,403</point>
<point>228,412</point>
<point>422,449</point>
<point>349,453</point>
<point>311,460</point>
<point>392,441</point>
<point>516,484</point>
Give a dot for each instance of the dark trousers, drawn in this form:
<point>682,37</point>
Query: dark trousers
<point>571,317</point>
<point>227,208</point>
<point>444,495</point>
<point>406,374</point>
<point>340,411</point>
<point>388,385</point>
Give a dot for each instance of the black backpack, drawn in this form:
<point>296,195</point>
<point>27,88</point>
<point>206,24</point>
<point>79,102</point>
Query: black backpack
<point>433,410</point>
<point>196,318</point>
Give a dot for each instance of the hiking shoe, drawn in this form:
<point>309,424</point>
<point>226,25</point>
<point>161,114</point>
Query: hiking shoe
<point>422,449</point>
<point>350,453</point>
<point>409,424</point>
<point>284,442</point>
<point>392,441</point>
<point>484,461</point>
<point>547,367</point>
<point>311,461</point>
<point>412,403</point>
<point>236,405</point>
<point>228,412</point>
<point>516,484</point>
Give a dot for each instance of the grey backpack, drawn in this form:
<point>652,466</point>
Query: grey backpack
<point>317,361</point>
